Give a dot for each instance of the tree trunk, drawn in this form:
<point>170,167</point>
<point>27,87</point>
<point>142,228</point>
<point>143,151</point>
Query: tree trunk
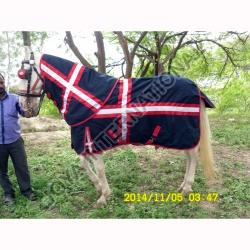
<point>124,45</point>
<point>100,52</point>
<point>157,54</point>
<point>26,38</point>
<point>27,44</point>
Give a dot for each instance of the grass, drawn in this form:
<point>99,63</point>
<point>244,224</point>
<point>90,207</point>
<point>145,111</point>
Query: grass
<point>232,130</point>
<point>64,190</point>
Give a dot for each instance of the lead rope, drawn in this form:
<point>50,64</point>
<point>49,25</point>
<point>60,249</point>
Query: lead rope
<point>43,91</point>
<point>28,90</point>
<point>40,102</point>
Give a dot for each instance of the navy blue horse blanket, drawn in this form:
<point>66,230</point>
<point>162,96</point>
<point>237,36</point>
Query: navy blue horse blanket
<point>105,112</point>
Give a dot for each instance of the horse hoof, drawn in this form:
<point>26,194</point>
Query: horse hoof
<point>185,190</point>
<point>101,202</point>
<point>181,187</point>
<point>107,193</point>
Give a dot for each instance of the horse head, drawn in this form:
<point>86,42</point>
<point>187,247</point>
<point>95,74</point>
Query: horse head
<point>30,86</point>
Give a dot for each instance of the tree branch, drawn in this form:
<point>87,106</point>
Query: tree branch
<point>243,40</point>
<point>100,52</point>
<point>203,55</point>
<point>223,67</point>
<point>140,46</point>
<point>162,38</point>
<point>141,66</point>
<point>69,40</point>
<point>128,59</point>
<point>171,36</point>
<point>118,63</point>
<point>224,48</point>
<point>143,34</point>
<point>123,75</point>
<point>146,56</point>
<point>145,70</point>
<point>124,46</point>
<point>172,55</point>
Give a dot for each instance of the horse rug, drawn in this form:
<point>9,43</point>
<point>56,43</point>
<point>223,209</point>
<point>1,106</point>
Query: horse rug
<point>104,112</point>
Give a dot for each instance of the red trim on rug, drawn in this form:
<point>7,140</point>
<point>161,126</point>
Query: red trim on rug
<point>53,69</point>
<point>133,105</point>
<point>90,117</point>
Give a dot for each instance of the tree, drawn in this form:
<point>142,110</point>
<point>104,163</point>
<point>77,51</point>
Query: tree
<point>154,53</point>
<point>9,50</point>
<point>11,46</point>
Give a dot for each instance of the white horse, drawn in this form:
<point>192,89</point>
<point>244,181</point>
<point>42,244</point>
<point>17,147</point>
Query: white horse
<point>30,90</point>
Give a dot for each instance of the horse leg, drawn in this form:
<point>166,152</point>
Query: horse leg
<point>186,185</point>
<point>98,179</point>
<point>186,174</point>
<point>100,169</point>
<point>91,174</point>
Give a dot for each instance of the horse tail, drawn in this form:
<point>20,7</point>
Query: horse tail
<point>206,152</point>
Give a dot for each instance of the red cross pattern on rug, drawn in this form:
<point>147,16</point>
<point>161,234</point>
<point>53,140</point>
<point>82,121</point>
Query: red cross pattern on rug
<point>124,109</point>
<point>70,84</point>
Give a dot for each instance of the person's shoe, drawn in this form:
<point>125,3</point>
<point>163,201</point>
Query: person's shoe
<point>31,196</point>
<point>8,199</point>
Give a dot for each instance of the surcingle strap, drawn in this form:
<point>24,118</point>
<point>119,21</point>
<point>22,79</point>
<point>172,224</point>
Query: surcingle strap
<point>154,135</point>
<point>88,141</point>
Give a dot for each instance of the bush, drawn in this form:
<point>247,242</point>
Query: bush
<point>235,98</point>
<point>49,109</point>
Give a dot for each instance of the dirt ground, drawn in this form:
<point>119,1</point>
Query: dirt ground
<point>42,124</point>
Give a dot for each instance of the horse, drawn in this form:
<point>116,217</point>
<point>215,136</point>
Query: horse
<point>68,85</point>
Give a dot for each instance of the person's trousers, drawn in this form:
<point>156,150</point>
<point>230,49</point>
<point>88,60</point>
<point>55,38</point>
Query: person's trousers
<point>16,152</point>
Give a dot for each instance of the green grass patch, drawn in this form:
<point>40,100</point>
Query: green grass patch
<point>233,130</point>
<point>64,190</point>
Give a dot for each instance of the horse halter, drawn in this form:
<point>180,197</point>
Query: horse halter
<point>25,73</point>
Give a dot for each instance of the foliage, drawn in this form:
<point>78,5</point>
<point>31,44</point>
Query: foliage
<point>203,57</point>
<point>49,109</point>
<point>11,51</point>
<point>235,98</point>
